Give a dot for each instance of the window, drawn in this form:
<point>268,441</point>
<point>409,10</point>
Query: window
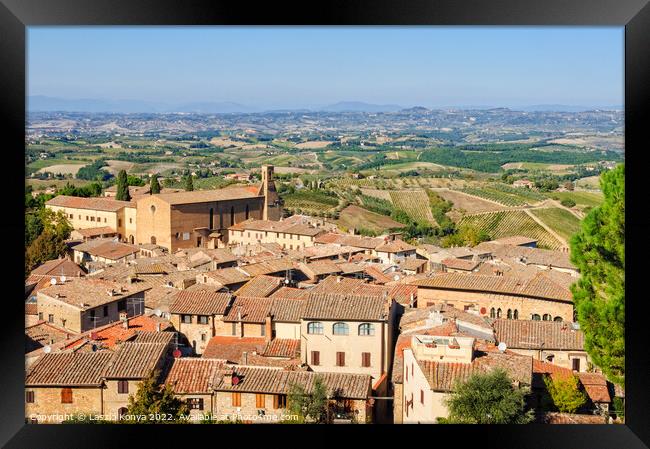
<point>575,364</point>
<point>195,403</point>
<point>259,401</point>
<point>315,328</point>
<point>50,318</point>
<point>499,313</point>
<point>79,217</point>
<point>153,209</point>
<point>187,319</point>
<point>66,395</point>
<point>105,310</point>
<point>40,316</point>
<point>202,319</point>
<point>279,401</point>
<point>87,218</point>
<point>119,222</point>
<point>315,358</point>
<point>236,399</point>
<point>340,359</point>
<point>493,313</point>
<point>263,330</point>
<point>421,396</point>
<point>203,337</point>
<point>186,235</point>
<point>516,314</point>
<point>366,329</point>
<point>558,319</point>
<point>234,328</point>
<point>365,359</point>
<point>546,317</point>
<point>123,386</point>
<point>535,317</point>
<point>104,219</point>
<point>92,316</point>
<point>509,315</point>
<point>232,216</point>
<point>121,305</point>
<point>29,396</point>
<point>122,411</point>
<point>340,329</point>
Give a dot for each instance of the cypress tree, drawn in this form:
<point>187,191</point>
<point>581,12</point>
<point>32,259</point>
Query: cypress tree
<point>122,187</point>
<point>155,185</point>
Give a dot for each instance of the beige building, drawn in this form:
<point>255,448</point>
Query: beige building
<point>295,232</point>
<point>537,298</point>
<point>81,304</point>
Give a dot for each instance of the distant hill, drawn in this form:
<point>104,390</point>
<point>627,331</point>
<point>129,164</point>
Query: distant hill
<point>359,106</point>
<point>212,107</point>
<point>564,108</point>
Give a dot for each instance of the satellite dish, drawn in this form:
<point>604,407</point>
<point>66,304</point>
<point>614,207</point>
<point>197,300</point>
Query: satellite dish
<point>157,312</point>
<point>53,281</point>
<point>62,279</point>
<point>47,349</point>
<point>502,346</point>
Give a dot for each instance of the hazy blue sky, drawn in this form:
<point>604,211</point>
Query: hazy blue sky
<point>278,67</point>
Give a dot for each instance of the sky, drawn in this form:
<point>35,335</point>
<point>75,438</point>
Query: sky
<point>306,67</point>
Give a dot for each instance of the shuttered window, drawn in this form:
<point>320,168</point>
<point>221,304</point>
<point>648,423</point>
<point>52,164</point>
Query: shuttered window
<point>66,395</point>
<point>195,403</point>
<point>236,399</point>
<point>259,401</point>
<point>279,401</point>
<point>315,358</point>
<point>29,396</point>
<point>365,359</point>
<point>123,386</point>
<point>340,359</point>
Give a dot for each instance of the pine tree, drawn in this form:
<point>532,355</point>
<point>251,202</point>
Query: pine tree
<point>189,184</point>
<point>155,185</point>
<point>598,250</point>
<point>122,187</point>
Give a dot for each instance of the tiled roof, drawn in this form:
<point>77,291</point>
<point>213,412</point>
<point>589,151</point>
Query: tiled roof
<point>350,267</point>
<point>290,293</point>
<point>268,267</point>
<point>350,240</point>
<point>528,256</point>
<point>395,246</point>
<point>100,203</point>
<point>227,276</point>
<point>92,232</point>
<point>596,387</point>
<point>58,267</point>
<point>325,252</point>
<point>296,225</point>
<point>282,347</point>
<point>260,286</point>
<point>206,196</point>
<point>412,263</point>
<point>142,336</point>
<point>377,274</point>
<point>339,285</point>
<point>516,240</point>
<point>319,268</point>
<point>539,286</point>
<point>200,302</point>
<point>402,293</point>
<point>86,292</point>
<point>252,309</point>
<point>68,369</point>
<point>288,309</point>
<point>569,418</point>
<point>113,333</point>
<point>324,306</point>
<point>461,264</point>
<point>31,308</point>
<point>111,250</point>
<point>44,333</point>
<point>135,360</point>
<point>191,375</point>
<point>276,381</point>
<point>232,348</point>
<point>525,334</point>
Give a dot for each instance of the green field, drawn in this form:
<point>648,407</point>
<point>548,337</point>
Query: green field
<point>581,198</point>
<point>415,203</point>
<point>310,202</point>
<point>510,223</point>
<point>505,194</point>
<point>560,220</point>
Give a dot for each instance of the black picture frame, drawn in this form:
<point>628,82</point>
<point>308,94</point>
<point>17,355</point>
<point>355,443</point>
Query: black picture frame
<point>15,15</point>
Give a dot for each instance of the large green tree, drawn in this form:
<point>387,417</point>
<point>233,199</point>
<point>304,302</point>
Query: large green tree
<point>565,392</point>
<point>54,228</point>
<point>488,398</point>
<point>598,250</point>
<point>309,406</point>
<point>122,187</point>
<point>152,398</point>
<point>155,185</point>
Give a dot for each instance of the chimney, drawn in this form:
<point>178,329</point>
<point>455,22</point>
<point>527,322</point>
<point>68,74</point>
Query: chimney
<point>412,300</point>
<point>268,328</point>
<point>227,378</point>
<point>338,279</point>
<point>244,358</point>
<point>124,319</point>
<point>157,327</point>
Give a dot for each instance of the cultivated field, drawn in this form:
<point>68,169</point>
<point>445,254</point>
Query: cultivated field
<point>311,145</point>
<point>415,203</point>
<point>582,199</point>
<point>114,167</point>
<point>63,169</point>
<point>559,220</point>
<point>357,217</point>
<point>510,223</point>
<point>468,203</point>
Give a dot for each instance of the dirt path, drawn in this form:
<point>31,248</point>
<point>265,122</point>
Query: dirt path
<point>549,230</point>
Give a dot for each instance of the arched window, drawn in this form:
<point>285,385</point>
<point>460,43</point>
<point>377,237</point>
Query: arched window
<point>558,319</point>
<point>211,218</point>
<point>499,313</point>
<point>131,239</point>
<point>493,313</point>
<point>546,317</point>
<point>315,328</point>
<point>153,240</point>
<point>122,411</point>
<point>535,317</point>
<point>232,215</point>
<point>153,209</point>
<point>516,314</point>
<point>509,315</point>
<point>366,329</point>
<point>340,329</point>
<point>247,212</point>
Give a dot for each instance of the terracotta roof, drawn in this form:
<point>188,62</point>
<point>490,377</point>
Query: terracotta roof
<point>276,381</point>
<point>207,196</point>
<point>111,250</point>
<point>31,308</point>
<point>569,418</point>
<point>528,256</point>
<point>260,286</point>
<point>461,264</point>
<point>252,309</point>
<point>88,292</point>
<point>44,333</point>
<point>377,274</point>
<point>69,369</point>
<point>324,306</point>
<point>395,246</point>
<point>350,267</point>
<point>58,267</point>
<point>402,293</point>
<point>282,347</point>
<point>525,334</point>
<point>324,252</point>
<point>539,286</point>
<point>296,224</point>
<point>350,240</point>
<point>94,203</point>
<point>200,302</point>
<point>336,284</point>
<point>191,375</point>
<point>288,310</point>
<point>92,232</point>
<point>596,387</point>
<point>319,268</point>
<point>135,360</point>
<point>290,293</point>
<point>517,240</point>
<point>227,276</point>
<point>412,263</point>
<point>268,267</point>
<point>232,348</point>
